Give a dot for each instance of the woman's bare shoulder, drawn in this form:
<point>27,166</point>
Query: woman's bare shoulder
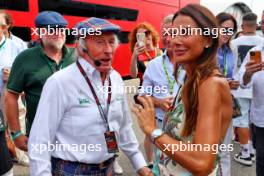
<point>215,83</point>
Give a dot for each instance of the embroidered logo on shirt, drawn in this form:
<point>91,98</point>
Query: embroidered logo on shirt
<point>83,101</point>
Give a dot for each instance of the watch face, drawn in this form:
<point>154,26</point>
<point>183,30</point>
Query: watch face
<point>156,133</point>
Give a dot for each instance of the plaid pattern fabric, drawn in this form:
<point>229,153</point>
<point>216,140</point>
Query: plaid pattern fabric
<point>98,23</point>
<point>67,168</point>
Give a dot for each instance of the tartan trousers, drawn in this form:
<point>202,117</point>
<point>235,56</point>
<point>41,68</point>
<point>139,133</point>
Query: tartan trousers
<point>67,168</point>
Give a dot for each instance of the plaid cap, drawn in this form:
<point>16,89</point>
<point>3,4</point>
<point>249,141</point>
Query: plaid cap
<point>98,23</point>
<point>50,18</point>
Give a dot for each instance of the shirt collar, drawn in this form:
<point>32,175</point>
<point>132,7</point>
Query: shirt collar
<point>65,52</point>
<point>89,69</point>
<point>3,39</point>
<point>11,36</point>
<point>2,42</point>
<point>165,55</point>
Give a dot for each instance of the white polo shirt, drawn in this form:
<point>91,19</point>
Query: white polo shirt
<point>68,114</point>
<point>249,41</point>
<point>257,84</point>
<point>156,82</point>
<point>19,42</point>
<point>8,53</point>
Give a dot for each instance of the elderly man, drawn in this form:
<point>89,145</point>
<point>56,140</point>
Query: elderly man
<point>83,108</point>
<point>31,69</point>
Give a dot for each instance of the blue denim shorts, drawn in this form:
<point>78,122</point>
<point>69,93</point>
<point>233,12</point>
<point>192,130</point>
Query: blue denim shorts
<point>67,168</point>
<point>243,121</point>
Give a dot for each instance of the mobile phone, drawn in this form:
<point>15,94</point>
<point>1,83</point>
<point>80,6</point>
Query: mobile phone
<point>255,56</point>
<point>141,39</point>
<point>136,100</point>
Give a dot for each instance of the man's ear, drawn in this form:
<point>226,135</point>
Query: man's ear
<point>242,27</point>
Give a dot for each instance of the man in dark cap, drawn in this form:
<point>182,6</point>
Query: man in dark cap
<point>83,116</point>
<point>32,68</point>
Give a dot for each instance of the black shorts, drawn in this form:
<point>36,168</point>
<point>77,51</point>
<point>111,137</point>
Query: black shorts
<point>5,160</point>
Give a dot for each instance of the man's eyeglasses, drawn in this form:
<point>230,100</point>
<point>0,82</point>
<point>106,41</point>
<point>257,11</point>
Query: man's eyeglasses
<point>261,22</point>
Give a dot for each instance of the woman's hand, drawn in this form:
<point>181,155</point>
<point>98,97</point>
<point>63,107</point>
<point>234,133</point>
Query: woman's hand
<point>138,49</point>
<point>234,85</point>
<point>145,172</point>
<point>145,114</point>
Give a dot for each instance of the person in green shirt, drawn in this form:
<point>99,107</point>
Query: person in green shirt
<point>32,68</point>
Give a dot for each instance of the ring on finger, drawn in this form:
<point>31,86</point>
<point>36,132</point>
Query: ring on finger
<point>139,108</point>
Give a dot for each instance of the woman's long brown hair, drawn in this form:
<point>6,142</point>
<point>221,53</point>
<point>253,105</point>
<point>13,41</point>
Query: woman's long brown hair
<point>205,65</point>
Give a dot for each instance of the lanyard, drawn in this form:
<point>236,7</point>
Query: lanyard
<point>171,83</point>
<point>102,113</point>
<point>225,64</point>
<point>3,43</point>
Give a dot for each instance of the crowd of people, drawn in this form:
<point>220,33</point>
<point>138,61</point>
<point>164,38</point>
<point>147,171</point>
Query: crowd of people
<point>62,111</point>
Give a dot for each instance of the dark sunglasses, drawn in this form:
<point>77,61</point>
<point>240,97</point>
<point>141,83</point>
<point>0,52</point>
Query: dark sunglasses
<point>147,33</point>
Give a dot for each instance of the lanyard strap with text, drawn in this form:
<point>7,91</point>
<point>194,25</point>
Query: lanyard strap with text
<point>225,64</point>
<point>103,114</point>
<point>3,43</point>
<point>171,83</point>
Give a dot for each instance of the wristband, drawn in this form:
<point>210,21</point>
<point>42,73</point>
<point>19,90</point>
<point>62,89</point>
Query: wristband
<point>16,135</point>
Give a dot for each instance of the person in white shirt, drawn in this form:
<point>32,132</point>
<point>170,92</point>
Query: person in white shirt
<point>241,46</point>
<point>159,82</point>
<point>5,61</point>
<point>17,41</point>
<point>8,52</point>
<point>262,22</point>
<point>18,45</point>
<point>85,108</point>
<point>251,74</point>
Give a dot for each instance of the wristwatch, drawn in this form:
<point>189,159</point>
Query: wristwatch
<point>15,134</point>
<point>155,134</point>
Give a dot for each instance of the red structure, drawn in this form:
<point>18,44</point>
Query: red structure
<point>125,13</point>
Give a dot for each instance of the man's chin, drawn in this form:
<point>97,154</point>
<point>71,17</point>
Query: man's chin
<point>104,68</point>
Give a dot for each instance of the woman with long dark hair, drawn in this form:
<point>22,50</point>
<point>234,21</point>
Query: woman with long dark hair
<point>202,109</point>
<point>226,63</point>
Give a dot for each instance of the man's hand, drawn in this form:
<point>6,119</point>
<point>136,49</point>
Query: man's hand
<point>251,68</point>
<point>6,73</point>
<point>145,172</point>
<point>21,142</point>
<point>233,84</point>
<point>163,103</point>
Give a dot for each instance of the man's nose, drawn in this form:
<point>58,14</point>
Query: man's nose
<point>108,48</point>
